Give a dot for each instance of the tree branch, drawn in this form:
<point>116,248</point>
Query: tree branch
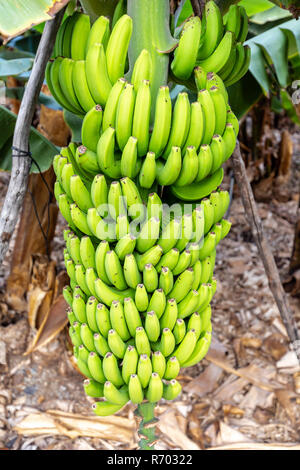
<point>21,165</point>
<point>263,246</point>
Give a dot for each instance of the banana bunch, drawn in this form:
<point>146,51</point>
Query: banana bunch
<point>87,61</point>
<point>141,284</point>
<point>215,43</point>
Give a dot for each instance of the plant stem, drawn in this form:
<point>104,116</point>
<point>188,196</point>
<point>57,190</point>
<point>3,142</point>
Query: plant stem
<point>146,431</point>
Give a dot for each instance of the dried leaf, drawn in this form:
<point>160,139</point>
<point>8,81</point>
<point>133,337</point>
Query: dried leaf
<point>168,425</point>
<point>205,382</point>
<point>72,425</point>
<point>53,324</point>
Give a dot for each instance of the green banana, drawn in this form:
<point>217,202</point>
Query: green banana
<point>92,388</point>
<point>205,162</point>
<point>162,121</point>
<point>78,307</point>
<point>148,235</point>
<point>129,158</point>
<point>179,330</point>
<point>79,219</point>
<point>111,369</point>
<point>158,363</point>
<point>91,127</point>
<point>109,114</point>
<point>117,47</point>
<point>218,149</point>
<point>80,86</point>
<point>186,347</point>
<point>80,194</point>
<point>152,326</point>
<point>91,306</point>
<point>230,139</point>
<point>151,256</point>
<point>142,342</point>
<point>157,302</point>
<point>97,73</point>
<point>200,350</point>
<point>183,262</point>
<point>105,408</point>
<point>166,280</point>
<point>196,191</point>
<point>125,246</point>
<point>141,117</point>
<point>155,388</point>
<point>220,109</point>
<point>169,317</point>
<point>66,84</point>
<point>108,294</point>
<point>172,390</point>
<point>103,319</point>
<point>132,316</point>
<point>180,123</point>
<point>195,323</point>
<point>79,37</point>
<point>115,395</point>
<point>169,259</point>
<point>142,69</point>
<point>135,389</point>
<point>172,368</point>
<point>118,321</point>
<point>147,173</point>
<point>131,271</point>
<point>185,54</point>
<point>189,168</point>
<point>206,101</point>
<point>99,32</point>
<point>116,344</point>
<point>167,174</point>
<point>114,271</point>
<point>144,370</point>
<point>220,56</point>
<point>86,160</point>
<point>129,364</point>
<point>182,285</point>
<point>124,115</point>
<point>196,130</point>
<point>94,364</point>
<point>141,298</point>
<point>150,278</point>
<point>213,30</point>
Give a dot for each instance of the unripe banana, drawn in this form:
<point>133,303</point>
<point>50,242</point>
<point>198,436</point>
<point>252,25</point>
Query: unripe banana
<point>122,226</point>
<point>209,214</point>
<point>110,110</point>
<point>182,285</point>
<point>205,270</point>
<point>117,319</point>
<point>116,344</point>
<point>167,342</point>
<point>129,158</point>
<point>87,252</point>
<point>66,175</point>
<point>91,127</point>
<point>148,235</point>
<point>169,259</point>
<point>74,249</point>
<point>230,139</point>
<point>157,302</point>
<point>141,117</point>
<point>151,256</point>
<point>205,296</point>
<point>213,79</point>
<point>148,171</point>
<point>217,229</point>
<point>218,204</point>
<point>86,160</point>
<point>115,395</point>
<point>155,388</point>
<point>99,194</point>
<point>189,304</point>
<point>208,245</point>
<point>65,80</point>
<point>142,342</point>
<point>186,347</point>
<point>208,108</point>
<point>189,168</point>
<point>105,408</point>
<point>170,314</point>
<point>162,121</point>
<point>129,365</point>
<point>205,162</point>
<point>213,32</point>
<point>152,326</point>
<point>158,363</point>
<point>70,267</point>
<point>86,335</point>
<point>195,323</point>
<point>94,364</point>
<point>103,319</point>
<point>97,73</point>
<point>218,149</point>
<point>80,276</point>
<point>80,194</point>
<point>185,54</point>
<point>172,368</point>
<point>92,388</point>
<point>132,316</point>
<point>180,123</point>
<point>144,370</point>
<point>117,47</point>
<point>78,307</point>
<point>107,294</point>
<point>79,38</point>
<point>232,119</point>
<point>68,295</point>
<point>200,350</point>
<point>183,263</point>
<point>220,56</point>
<point>179,330</point>
<point>135,389</point>
<point>172,390</point>
<point>65,209</point>
<point>125,246</point>
<point>226,226</point>
<point>80,85</point>
<point>71,316</point>
<point>99,32</point>
<point>170,235</point>
<point>91,306</point>
<point>166,280</point>
<point>106,154</point>
<point>74,336</point>
<point>150,278</point>
<point>141,298</point>
<point>116,204</point>
<point>135,206</point>
<point>131,271</point>
<point>52,78</point>
<point>124,115</point>
<point>154,206</point>
<point>111,369</point>
<point>142,69</point>
<point>100,255</point>
<point>167,174</point>
<point>83,354</point>
<point>114,271</point>
<point>220,109</point>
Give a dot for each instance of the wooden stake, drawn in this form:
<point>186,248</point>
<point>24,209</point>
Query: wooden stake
<point>265,252</point>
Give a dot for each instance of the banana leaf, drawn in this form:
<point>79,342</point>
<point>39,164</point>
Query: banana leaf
<point>42,149</point>
<point>17,16</point>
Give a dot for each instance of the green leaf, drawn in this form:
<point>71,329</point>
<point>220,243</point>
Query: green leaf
<point>244,94</point>
<point>43,151</point>
<point>75,123</point>
<point>256,6</point>
<point>17,16</point>
<point>14,67</point>
<point>270,15</point>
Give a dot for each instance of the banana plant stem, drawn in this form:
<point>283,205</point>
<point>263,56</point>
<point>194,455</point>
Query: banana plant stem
<point>146,413</point>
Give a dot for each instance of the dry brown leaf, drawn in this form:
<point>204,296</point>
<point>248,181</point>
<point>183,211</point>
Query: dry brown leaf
<point>205,382</point>
<point>168,425</point>
<point>72,425</point>
<point>235,411</point>
<point>275,346</point>
<point>227,391</point>
<point>284,398</point>
<point>53,324</point>
<point>229,435</point>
